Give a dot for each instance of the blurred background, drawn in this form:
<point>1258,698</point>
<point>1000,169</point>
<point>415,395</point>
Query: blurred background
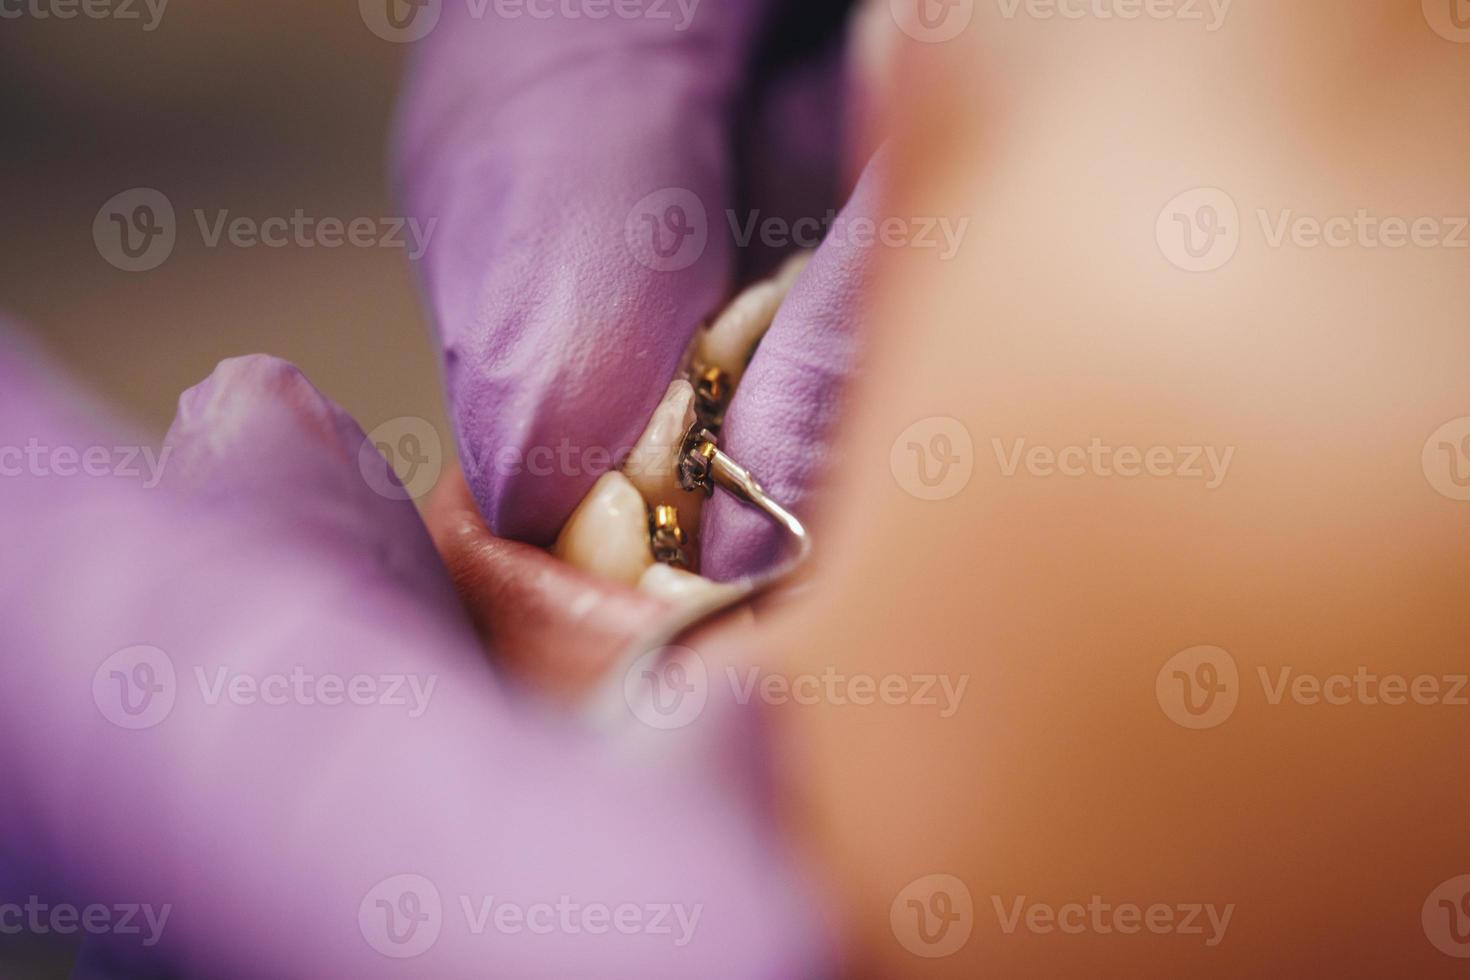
<point>255,107</point>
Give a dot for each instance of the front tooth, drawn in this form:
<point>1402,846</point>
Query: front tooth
<point>653,466</point>
<point>608,532</point>
<point>731,339</point>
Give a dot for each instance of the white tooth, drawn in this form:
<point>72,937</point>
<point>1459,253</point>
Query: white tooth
<point>731,339</point>
<point>608,532</point>
<point>653,466</point>
<point>678,586</point>
<point>654,463</point>
<point>791,270</point>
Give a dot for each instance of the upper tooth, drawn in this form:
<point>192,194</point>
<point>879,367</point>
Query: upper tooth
<point>608,532</point>
<point>653,466</point>
<point>731,339</point>
<point>791,270</point>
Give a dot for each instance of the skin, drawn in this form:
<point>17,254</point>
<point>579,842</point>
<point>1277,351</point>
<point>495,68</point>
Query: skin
<point>1324,549</point>
<point>555,629</point>
<point>551,626</point>
<point>1060,778</point>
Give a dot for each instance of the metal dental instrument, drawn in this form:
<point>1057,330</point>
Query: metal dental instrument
<point>703,466</point>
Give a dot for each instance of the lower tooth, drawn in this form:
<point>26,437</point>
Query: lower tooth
<point>678,586</point>
<point>607,534</point>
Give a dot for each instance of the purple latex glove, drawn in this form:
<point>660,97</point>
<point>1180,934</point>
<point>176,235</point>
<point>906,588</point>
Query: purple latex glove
<point>277,835</point>
<point>784,413</point>
<point>551,152</point>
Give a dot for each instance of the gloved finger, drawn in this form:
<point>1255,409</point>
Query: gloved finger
<point>782,419</point>
<point>277,738</point>
<point>576,171</point>
<point>257,442</point>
